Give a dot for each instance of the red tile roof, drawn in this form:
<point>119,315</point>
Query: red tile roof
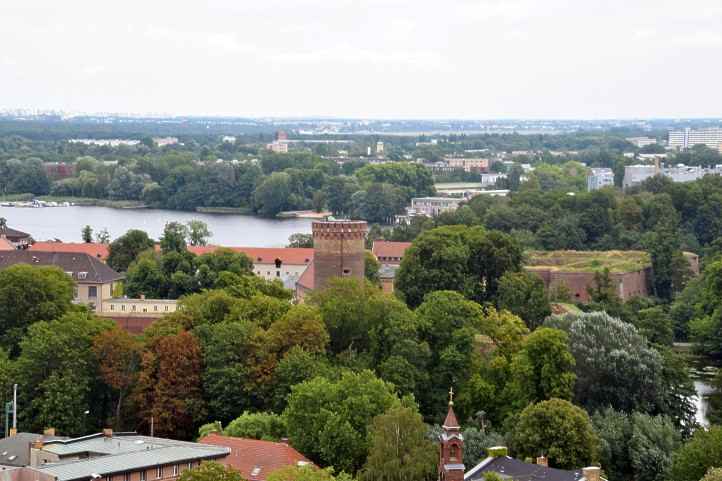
<point>390,250</point>
<point>6,245</point>
<point>255,459</point>
<point>265,255</point>
<point>93,249</point>
<point>307,280</point>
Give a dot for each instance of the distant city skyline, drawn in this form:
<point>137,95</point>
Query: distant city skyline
<point>376,59</point>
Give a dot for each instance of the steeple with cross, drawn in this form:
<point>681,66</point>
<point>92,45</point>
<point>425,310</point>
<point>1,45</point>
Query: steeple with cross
<point>451,449</point>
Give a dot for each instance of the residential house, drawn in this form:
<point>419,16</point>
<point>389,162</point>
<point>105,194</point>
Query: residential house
<point>94,280</point>
<point>19,239</point>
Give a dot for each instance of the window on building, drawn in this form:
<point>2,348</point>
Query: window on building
<point>132,307</point>
<point>155,308</point>
<point>142,475</point>
<point>175,470</point>
<point>278,273</point>
<point>190,464</point>
<point>454,453</point>
<point>92,291</point>
<point>347,272</point>
<point>112,307</point>
<point>159,472</point>
<point>166,308</point>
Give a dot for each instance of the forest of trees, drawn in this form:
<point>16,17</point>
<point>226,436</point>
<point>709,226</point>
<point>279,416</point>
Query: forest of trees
<point>333,374</point>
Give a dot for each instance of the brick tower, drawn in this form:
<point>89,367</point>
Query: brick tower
<point>451,449</point>
<point>339,250</point>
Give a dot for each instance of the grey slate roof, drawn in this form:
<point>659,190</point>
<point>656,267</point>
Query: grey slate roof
<point>121,453</point>
<point>96,272</point>
<point>15,235</point>
<point>18,446</point>
<point>132,461</point>
<point>513,469</point>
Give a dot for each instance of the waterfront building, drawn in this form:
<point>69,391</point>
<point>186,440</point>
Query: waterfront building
<point>94,280</point>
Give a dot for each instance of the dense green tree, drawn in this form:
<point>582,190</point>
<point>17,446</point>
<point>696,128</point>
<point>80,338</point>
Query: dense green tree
<point>607,350</point>
<point>87,234</point>
<point>273,195</point>
<point>523,294</point>
<point>198,232</point>
<point>635,446</point>
<point>300,240</point>
<point>230,351</point>
<point>543,368</point>
<point>559,430</point>
<point>211,471</point>
<point>126,248</point>
<point>260,425</point>
<point>61,385</point>
<point>399,449</point>
<point>328,420</point>
<point>670,269</point>
<point>468,260</point>
<point>29,294</point>
<point>307,473</point>
<point>697,456</point>
<point>173,238</point>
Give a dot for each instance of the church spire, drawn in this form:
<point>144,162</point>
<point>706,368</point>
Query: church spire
<point>451,449</point>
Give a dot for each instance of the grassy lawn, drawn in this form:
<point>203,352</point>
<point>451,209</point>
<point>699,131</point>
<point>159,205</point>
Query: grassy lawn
<point>583,261</point>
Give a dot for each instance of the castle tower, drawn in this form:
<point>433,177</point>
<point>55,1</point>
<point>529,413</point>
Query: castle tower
<point>451,448</point>
<point>339,250</point>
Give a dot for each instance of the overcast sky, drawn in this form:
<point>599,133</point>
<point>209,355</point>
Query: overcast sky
<point>365,58</point>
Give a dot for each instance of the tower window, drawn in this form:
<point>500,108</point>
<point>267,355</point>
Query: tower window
<point>454,452</point>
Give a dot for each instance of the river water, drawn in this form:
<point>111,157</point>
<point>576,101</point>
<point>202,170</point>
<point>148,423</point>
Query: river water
<point>66,223</point>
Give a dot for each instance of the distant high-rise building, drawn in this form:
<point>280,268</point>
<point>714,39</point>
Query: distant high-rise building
<point>281,136</point>
<point>684,139</point>
<point>379,148</point>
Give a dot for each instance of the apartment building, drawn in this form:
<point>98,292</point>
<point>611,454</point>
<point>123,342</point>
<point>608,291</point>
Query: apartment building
<point>599,178</point>
<point>686,138</point>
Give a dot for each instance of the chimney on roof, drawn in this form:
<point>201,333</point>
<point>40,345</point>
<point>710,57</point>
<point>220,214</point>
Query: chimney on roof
<point>592,473</point>
<point>284,441</point>
<point>49,432</point>
<point>108,432</point>
<point>142,296</point>
<point>542,461</point>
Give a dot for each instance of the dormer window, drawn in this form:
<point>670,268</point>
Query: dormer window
<point>82,275</point>
<point>278,263</point>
